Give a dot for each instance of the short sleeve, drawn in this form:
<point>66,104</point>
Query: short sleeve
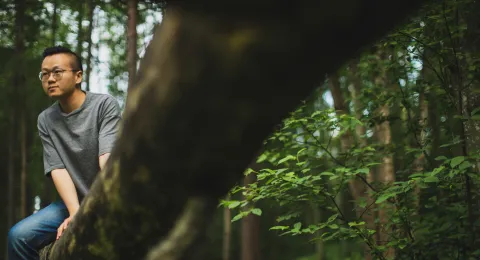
<point>51,158</point>
<point>109,122</point>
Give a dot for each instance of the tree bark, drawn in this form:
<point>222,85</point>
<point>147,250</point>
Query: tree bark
<point>132,42</point>
<point>201,108</point>
<point>54,22</point>
<point>23,164</point>
<point>80,36</point>
<point>227,232</point>
<point>356,90</point>
<point>385,174</point>
<point>48,191</point>
<point>317,218</point>
<point>11,170</point>
<point>250,247</point>
<point>91,9</point>
<point>359,188</point>
<point>340,105</point>
<point>19,83</point>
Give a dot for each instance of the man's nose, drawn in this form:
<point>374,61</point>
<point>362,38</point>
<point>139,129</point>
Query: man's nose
<point>51,78</point>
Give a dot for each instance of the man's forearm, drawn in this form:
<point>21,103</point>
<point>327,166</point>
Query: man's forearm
<point>65,187</point>
<point>102,159</point>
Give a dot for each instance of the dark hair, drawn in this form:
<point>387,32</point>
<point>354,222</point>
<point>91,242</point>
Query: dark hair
<point>60,49</point>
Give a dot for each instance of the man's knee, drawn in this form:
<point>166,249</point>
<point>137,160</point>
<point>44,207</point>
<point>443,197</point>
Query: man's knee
<point>17,235</point>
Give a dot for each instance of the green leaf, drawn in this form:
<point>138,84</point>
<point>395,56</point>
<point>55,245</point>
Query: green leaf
<point>464,165</point>
<point>279,228</point>
<point>456,161</point>
<point>233,204</point>
<point>353,224</point>
<point>364,170</point>
<point>287,158</point>
<point>438,170</point>
<point>372,164</point>
<point>431,179</point>
<point>333,177</point>
<point>475,111</point>
<point>327,174</point>
<point>332,218</point>
<point>333,226</point>
<point>306,170</point>
<point>257,211</point>
<point>384,197</point>
<point>262,158</point>
<point>441,158</point>
<point>238,216</point>
<point>299,152</point>
<point>297,226</point>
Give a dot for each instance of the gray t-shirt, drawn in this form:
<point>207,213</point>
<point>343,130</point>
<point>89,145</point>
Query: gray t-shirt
<point>74,141</point>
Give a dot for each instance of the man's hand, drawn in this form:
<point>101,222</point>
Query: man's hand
<point>63,226</point>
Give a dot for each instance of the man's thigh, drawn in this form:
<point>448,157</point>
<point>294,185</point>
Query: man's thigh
<point>40,228</point>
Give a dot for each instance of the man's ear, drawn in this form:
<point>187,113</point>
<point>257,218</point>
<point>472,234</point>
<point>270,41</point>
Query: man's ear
<point>79,77</point>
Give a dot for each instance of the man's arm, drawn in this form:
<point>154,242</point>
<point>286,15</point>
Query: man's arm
<point>103,159</point>
<point>109,120</point>
<point>65,187</point>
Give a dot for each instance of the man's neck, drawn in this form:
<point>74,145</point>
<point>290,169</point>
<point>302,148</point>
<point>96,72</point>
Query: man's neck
<point>73,101</point>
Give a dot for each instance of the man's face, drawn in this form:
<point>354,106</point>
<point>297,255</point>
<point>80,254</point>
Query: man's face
<point>60,80</point>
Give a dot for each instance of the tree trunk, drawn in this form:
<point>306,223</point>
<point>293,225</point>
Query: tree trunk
<point>171,162</point>
<point>91,9</point>
<point>250,231</point>
<point>80,37</point>
<point>356,90</point>
<point>317,218</point>
<point>132,42</point>
<point>340,105</point>
<point>19,84</point>
<point>227,232</point>
<point>48,192</point>
<point>54,22</point>
<point>11,170</point>
<point>359,188</point>
<point>23,164</point>
<point>385,171</point>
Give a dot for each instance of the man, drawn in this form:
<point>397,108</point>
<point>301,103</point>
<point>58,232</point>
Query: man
<point>77,132</point>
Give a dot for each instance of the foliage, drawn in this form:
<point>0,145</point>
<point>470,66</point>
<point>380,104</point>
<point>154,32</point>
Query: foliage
<point>425,74</point>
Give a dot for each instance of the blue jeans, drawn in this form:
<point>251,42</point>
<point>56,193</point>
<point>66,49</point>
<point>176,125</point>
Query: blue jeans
<point>31,234</point>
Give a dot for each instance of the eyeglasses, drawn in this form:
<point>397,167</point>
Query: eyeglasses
<point>57,74</point>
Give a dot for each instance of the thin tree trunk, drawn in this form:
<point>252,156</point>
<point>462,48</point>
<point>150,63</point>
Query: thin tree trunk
<point>420,138</point>
<point>80,36</point>
<point>54,22</point>
<point>368,214</point>
<point>48,193</point>
<point>227,232</point>
<point>357,186</point>
<point>132,42</point>
<point>317,218</point>
<point>250,247</point>
<point>91,9</point>
<point>386,173</point>
<point>11,170</point>
<point>356,91</point>
<point>20,85</point>
<point>340,109</point>
<point>23,164</point>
